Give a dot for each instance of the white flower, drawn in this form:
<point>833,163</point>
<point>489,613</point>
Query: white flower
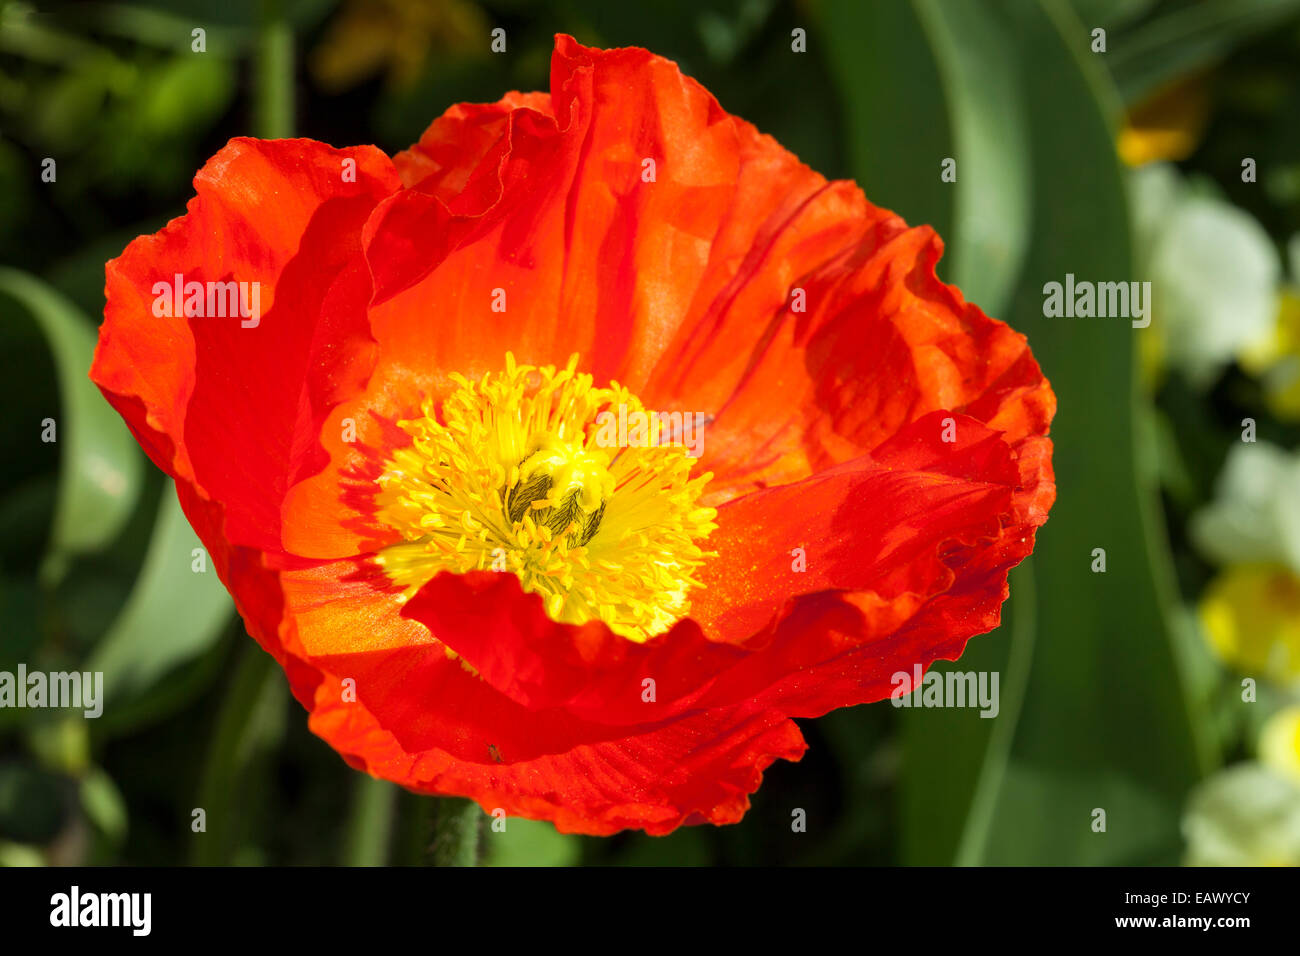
<point>1255,515</point>
<point>1214,271</point>
<point>1246,815</point>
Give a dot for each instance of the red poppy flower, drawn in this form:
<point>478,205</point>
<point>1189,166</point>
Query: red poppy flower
<point>406,470</point>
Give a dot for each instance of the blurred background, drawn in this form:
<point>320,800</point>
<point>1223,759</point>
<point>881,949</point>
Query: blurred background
<point>1150,654</point>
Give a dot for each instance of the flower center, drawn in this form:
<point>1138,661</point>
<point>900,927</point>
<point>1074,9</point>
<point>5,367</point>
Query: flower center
<point>514,473</point>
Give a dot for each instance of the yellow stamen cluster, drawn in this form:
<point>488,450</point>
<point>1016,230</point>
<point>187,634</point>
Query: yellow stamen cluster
<point>507,475</point>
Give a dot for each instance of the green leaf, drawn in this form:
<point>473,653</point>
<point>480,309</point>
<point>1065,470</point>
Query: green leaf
<point>1110,13</point>
<point>960,99</point>
<point>1189,37</point>
<point>977,64</point>
<point>100,471</point>
<point>1106,722</point>
<point>250,723</point>
<point>173,616</point>
<point>184,94</point>
<point>16,854</point>
<point>896,118</point>
<point>954,760</point>
<point>103,804</point>
<point>166,24</point>
<point>529,843</point>
<point>61,743</point>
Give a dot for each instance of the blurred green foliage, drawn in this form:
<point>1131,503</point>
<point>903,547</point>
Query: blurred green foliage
<point>1110,698</point>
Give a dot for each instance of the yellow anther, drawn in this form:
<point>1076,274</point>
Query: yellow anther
<point>511,461</point>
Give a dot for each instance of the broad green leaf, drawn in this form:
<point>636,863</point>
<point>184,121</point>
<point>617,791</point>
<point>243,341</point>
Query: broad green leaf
<point>977,63</point>
<point>1106,723</point>
<point>174,614</point>
<point>897,122</point>
<point>954,760</point>
<point>961,77</point>
<point>100,467</point>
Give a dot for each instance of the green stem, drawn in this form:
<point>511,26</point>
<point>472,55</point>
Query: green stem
<point>457,823</point>
<point>253,692</point>
<point>371,826</point>
<point>273,74</point>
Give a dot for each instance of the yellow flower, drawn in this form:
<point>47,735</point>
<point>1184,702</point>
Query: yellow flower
<point>1276,358</point>
<point>1279,743</point>
<point>1251,615</point>
<point>1166,125</point>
